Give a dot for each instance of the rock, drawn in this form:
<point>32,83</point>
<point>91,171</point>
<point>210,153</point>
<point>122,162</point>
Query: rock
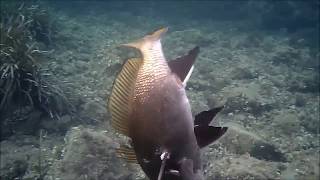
<point>242,92</point>
<point>60,125</point>
<point>257,108</point>
<point>89,154</point>
<point>212,84</point>
<point>18,169</point>
<point>197,37</point>
<point>300,100</point>
<point>244,167</point>
<point>68,70</point>
<point>31,124</point>
<point>214,101</point>
<point>287,122</point>
<point>49,125</point>
<point>198,102</point>
<point>305,166</point>
<point>94,110</point>
<point>265,151</point>
<point>304,84</point>
<point>244,104</point>
<point>218,84</point>
<point>199,85</point>
<point>242,73</point>
<point>235,103</point>
<point>240,141</point>
<point>64,123</point>
<point>285,55</point>
<point>21,120</point>
<point>19,155</point>
<point>311,84</point>
<point>310,118</point>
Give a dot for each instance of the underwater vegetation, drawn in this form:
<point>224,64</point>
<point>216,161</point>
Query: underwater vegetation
<point>25,30</point>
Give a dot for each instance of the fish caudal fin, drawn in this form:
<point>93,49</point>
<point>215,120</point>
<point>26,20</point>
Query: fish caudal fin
<point>207,134</point>
<point>150,38</point>
<point>183,66</point>
<point>204,133</point>
<point>122,92</point>
<point>205,117</point>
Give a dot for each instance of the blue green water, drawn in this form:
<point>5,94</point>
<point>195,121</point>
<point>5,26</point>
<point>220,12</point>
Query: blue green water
<point>258,58</point>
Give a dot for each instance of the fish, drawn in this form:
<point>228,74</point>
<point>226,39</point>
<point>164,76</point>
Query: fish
<point>149,105</point>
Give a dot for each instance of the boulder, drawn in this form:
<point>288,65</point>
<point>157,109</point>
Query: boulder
<point>240,141</point>
<point>89,154</point>
<point>245,167</point>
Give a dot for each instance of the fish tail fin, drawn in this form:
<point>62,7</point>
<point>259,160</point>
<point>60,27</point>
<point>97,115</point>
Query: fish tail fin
<point>150,38</point>
<point>207,134</point>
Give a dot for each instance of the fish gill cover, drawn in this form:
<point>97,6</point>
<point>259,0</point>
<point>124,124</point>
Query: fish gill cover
<point>258,58</point>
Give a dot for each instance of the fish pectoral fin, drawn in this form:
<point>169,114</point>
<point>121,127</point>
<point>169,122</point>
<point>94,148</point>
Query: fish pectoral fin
<point>127,153</point>
<point>207,134</point>
<point>183,66</point>
<point>205,117</point>
<point>121,95</point>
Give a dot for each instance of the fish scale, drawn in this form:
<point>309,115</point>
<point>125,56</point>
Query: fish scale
<point>149,76</point>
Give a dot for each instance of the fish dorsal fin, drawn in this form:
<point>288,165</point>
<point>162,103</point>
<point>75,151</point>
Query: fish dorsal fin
<point>183,66</point>
<point>143,43</point>
<point>128,154</point>
<point>207,134</point>
<point>205,117</point>
<point>122,92</point>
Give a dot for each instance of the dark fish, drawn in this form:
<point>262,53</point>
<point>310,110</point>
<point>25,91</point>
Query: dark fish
<point>149,105</point>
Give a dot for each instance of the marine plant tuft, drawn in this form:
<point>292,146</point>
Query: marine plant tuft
<point>24,30</point>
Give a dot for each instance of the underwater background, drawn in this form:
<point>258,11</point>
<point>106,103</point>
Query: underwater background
<point>258,58</point>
